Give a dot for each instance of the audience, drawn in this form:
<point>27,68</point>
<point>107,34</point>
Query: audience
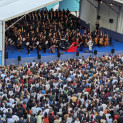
<point>72,91</point>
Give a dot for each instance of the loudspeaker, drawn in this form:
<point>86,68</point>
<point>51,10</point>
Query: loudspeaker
<point>58,54</point>
<point>95,52</point>
<point>39,56</point>
<point>110,20</point>
<point>6,55</point>
<point>98,17</point>
<point>37,51</point>
<point>112,51</point>
<point>19,58</point>
<point>110,41</point>
<point>77,53</point>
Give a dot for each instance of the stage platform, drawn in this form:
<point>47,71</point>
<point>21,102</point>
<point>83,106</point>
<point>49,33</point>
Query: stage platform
<point>47,57</point>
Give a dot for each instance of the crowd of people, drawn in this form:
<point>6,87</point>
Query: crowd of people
<point>73,91</point>
<point>51,30</point>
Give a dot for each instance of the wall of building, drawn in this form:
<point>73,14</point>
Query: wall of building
<point>108,12</point>
<point>54,6</point>
<point>89,13</point>
<point>72,5</point>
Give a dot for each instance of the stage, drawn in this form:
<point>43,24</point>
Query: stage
<point>47,57</point>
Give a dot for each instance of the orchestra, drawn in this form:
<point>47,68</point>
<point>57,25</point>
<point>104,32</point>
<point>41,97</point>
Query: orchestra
<point>50,30</point>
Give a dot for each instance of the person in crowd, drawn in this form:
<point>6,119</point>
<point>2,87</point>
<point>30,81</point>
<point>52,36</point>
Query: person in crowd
<point>46,118</point>
<point>39,117</point>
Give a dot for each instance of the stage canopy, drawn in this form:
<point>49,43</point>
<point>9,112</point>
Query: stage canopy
<point>10,9</point>
<point>119,1</point>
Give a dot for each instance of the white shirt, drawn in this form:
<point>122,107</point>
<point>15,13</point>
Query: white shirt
<point>104,107</point>
<point>11,76</point>
<point>69,120</point>
<point>7,79</point>
<point>33,63</point>
<point>82,100</point>
<point>39,109</point>
<point>39,96</point>
<point>122,59</point>
<point>109,121</point>
<point>77,122</point>
<point>90,43</point>
<point>37,42</point>
<point>69,79</point>
<point>107,115</point>
<point>11,93</point>
<point>4,109</point>
<point>27,43</point>
<point>10,120</point>
<point>64,86</point>
<point>34,110</point>
<point>3,76</point>
<point>101,113</point>
<point>11,100</point>
<point>58,68</point>
<point>69,109</point>
<point>46,111</point>
<point>15,118</point>
<point>47,86</point>
<point>55,85</point>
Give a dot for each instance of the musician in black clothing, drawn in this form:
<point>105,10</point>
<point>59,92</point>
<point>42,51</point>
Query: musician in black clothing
<point>32,43</point>
<point>97,27</point>
<point>29,48</point>
<point>101,42</point>
<point>37,47</point>
<point>58,46</point>
<point>94,35</point>
<point>18,44</point>
<point>66,45</point>
<point>44,44</point>
<point>53,46</point>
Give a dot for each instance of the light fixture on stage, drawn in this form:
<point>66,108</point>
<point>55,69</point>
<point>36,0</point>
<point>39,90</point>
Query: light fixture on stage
<point>111,4</point>
<point>98,17</point>
<point>111,20</point>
